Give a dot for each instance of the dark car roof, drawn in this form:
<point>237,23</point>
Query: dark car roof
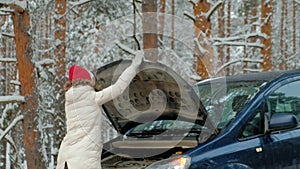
<point>260,76</point>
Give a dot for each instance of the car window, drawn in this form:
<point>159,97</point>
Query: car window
<point>255,126</point>
<point>285,99</point>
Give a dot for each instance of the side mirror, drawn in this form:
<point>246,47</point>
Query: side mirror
<point>282,121</point>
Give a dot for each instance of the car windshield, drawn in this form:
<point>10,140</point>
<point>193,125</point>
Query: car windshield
<point>223,100</point>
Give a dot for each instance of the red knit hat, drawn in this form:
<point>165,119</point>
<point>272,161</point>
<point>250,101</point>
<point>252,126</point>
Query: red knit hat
<point>76,72</point>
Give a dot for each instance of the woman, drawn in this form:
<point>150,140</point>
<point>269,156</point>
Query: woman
<point>81,147</point>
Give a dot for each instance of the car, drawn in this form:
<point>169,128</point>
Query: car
<point>241,121</point>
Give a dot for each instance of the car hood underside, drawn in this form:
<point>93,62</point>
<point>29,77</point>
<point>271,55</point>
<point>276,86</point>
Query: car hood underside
<point>156,92</point>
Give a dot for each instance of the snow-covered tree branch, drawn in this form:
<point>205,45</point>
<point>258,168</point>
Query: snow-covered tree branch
<point>189,15</point>
<point>10,35</point>
<point>239,60</point>
<point>10,99</point>
<point>200,48</point>
<point>11,125</point>
<point>125,48</point>
<point>4,11</point>
<point>8,60</point>
<point>76,4</point>
<point>257,45</point>
<point>241,37</point>
<point>19,5</point>
<point>9,139</point>
<point>213,9</point>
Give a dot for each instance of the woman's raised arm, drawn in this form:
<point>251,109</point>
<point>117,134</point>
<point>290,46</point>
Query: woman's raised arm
<point>122,83</point>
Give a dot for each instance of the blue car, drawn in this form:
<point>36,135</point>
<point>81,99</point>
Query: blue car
<point>240,122</point>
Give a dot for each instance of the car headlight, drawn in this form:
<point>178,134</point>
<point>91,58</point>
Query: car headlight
<point>179,162</point>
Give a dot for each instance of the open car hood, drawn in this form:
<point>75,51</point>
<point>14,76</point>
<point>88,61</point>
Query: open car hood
<point>156,93</point>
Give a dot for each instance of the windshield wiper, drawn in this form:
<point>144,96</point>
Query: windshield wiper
<point>146,132</point>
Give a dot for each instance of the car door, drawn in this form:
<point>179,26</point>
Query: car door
<point>252,138</point>
<point>283,147</point>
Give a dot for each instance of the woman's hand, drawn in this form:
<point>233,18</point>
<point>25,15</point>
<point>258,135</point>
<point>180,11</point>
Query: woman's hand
<point>137,60</point>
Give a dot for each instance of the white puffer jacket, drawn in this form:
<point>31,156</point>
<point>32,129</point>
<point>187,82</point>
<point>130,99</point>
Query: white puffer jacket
<point>81,148</point>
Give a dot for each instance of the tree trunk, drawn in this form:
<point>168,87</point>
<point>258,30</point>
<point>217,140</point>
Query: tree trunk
<point>21,21</point>
<point>205,58</point>
<point>3,53</point>
<point>252,6</point>
<point>60,68</point>
<point>286,36</point>
<point>162,11</point>
<point>173,25</point>
<point>221,32</point>
<point>266,28</point>
<point>246,23</point>
<point>281,64</point>
<point>228,35</point>
<point>253,21</point>
<point>294,33</point>
<point>60,39</point>
<point>150,41</point>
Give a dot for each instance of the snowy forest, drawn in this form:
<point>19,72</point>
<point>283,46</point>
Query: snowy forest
<point>199,39</point>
